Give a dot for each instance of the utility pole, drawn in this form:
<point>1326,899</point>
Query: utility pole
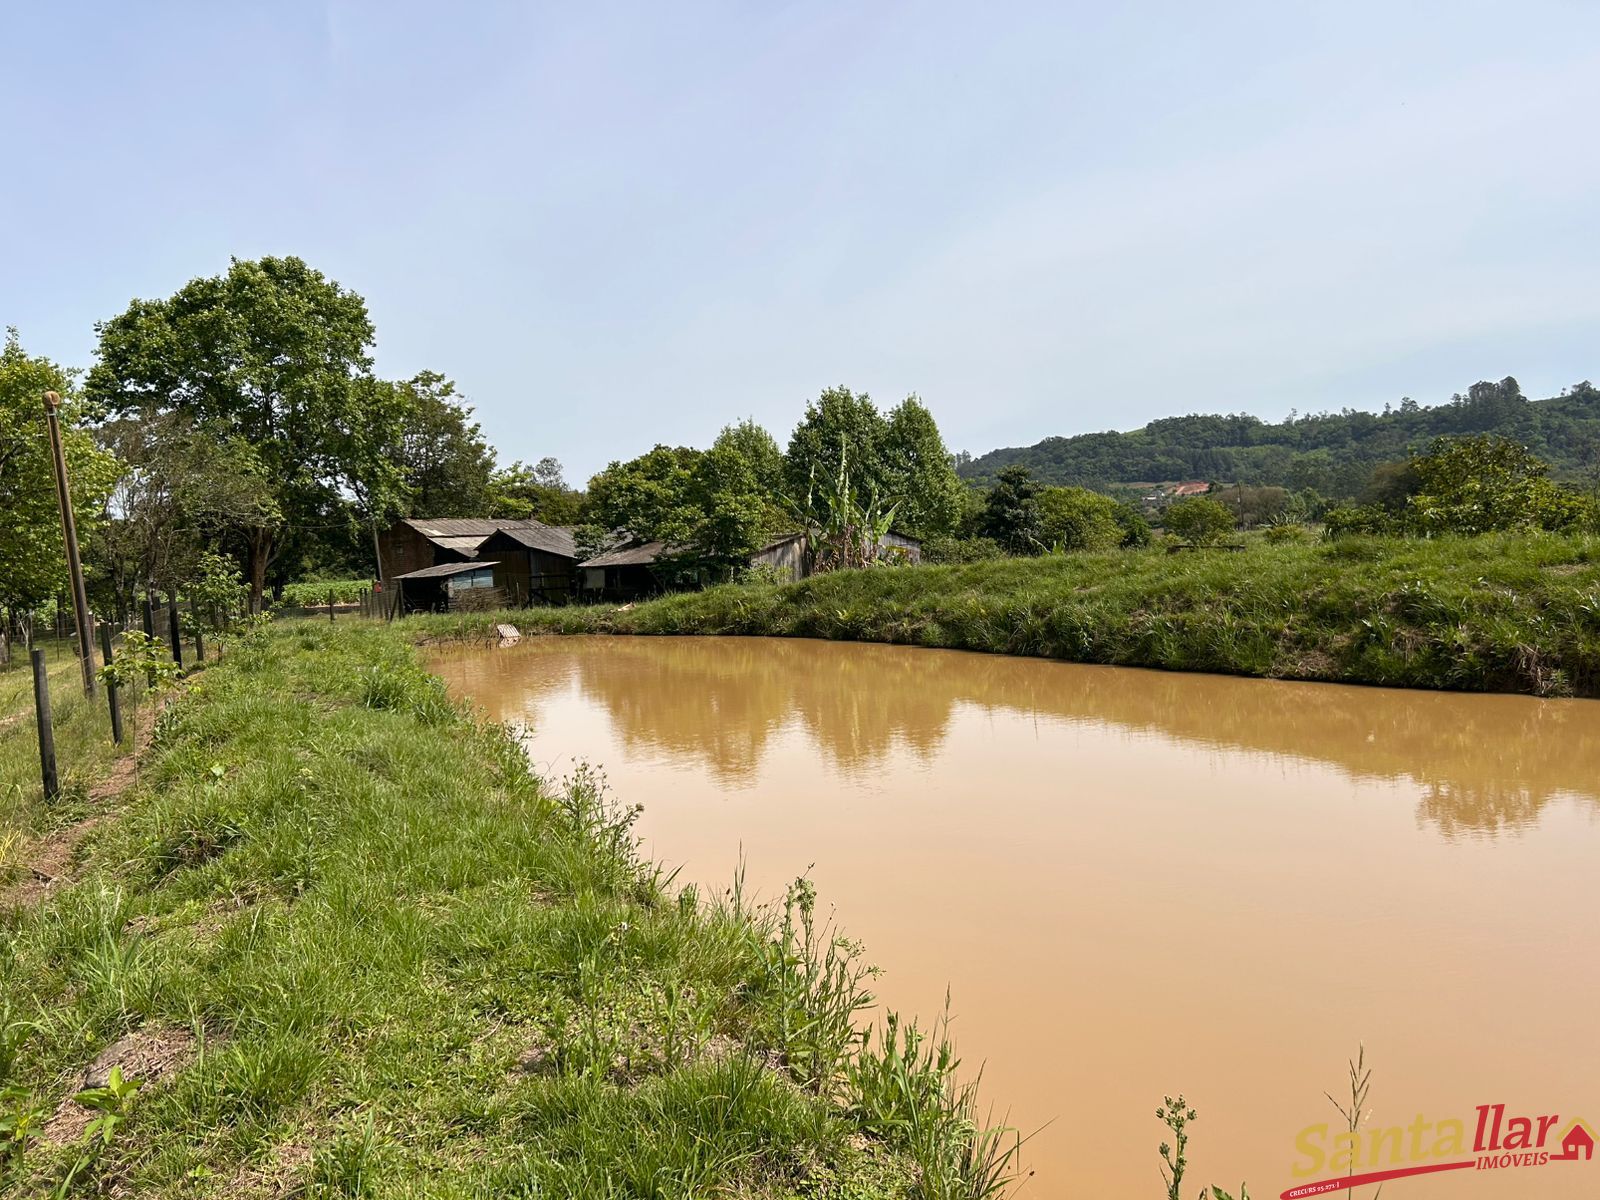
<point>69,528</point>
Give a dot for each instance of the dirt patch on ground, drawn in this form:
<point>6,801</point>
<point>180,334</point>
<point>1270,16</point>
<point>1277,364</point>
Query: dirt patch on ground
<point>282,1175</point>
<point>146,1056</point>
<point>49,864</point>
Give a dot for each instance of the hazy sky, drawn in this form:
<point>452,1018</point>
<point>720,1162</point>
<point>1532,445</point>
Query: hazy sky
<point>615,225</point>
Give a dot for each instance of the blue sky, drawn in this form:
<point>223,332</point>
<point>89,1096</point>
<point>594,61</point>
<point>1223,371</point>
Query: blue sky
<point>616,225</point>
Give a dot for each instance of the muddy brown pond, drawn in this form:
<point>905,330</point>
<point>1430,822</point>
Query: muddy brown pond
<point>1135,883</point>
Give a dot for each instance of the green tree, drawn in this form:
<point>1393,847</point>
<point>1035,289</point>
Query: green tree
<point>446,465</point>
<point>1011,511</point>
<point>1479,484</point>
<point>539,492</point>
<point>649,497</point>
<point>919,472</point>
<point>1391,487</point>
<point>838,427</point>
<point>706,505</point>
<point>759,449</point>
<point>33,562</point>
<point>180,491</point>
<point>900,459</point>
<point>1075,518</point>
<point>1198,520</point>
<point>1135,528</point>
<point>271,352</point>
<point>734,508</point>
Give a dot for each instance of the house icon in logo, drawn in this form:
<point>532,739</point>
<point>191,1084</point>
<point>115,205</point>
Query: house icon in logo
<point>1578,1142</point>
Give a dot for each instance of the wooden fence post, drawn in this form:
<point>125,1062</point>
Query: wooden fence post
<point>111,686</point>
<point>330,606</point>
<point>47,736</point>
<point>174,631</point>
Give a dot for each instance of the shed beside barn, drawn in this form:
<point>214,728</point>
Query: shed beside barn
<point>449,587</point>
<point>789,557</point>
<point>624,573</point>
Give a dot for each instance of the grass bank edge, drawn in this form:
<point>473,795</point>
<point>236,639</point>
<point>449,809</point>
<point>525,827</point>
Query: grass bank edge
<point>1501,613</point>
<point>401,964</point>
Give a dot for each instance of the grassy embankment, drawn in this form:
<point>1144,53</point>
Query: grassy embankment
<point>1500,613</point>
<point>357,948</point>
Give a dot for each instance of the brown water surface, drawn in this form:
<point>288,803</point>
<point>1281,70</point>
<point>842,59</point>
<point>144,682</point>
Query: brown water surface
<point>1135,883</point>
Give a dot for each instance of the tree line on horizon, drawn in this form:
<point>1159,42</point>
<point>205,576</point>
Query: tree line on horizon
<point>1332,454</point>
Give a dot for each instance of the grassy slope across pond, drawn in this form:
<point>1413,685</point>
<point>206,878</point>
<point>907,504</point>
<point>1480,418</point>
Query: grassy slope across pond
<point>1504,613</point>
<point>362,951</point>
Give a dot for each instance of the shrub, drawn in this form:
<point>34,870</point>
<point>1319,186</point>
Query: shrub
<point>1285,531</point>
<point>1198,521</point>
<point>1486,484</point>
<point>1074,518</point>
<point>1366,520</point>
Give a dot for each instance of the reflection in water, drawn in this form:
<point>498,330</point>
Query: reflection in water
<point>1484,763</point>
<point>1134,883</point>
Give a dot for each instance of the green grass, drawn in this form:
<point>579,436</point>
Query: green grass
<point>82,729</point>
<point>1503,613</point>
<point>402,965</point>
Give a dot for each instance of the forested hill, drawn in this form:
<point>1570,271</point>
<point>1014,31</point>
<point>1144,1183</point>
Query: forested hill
<point>1331,452</point>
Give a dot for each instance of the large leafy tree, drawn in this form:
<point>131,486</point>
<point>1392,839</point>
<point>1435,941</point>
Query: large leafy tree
<point>759,449</point>
<point>736,489</point>
<point>899,459</point>
<point>446,465</point>
<point>539,492</point>
<point>919,472</point>
<point>271,352</point>
<point>1477,484</point>
<point>33,564</point>
<point>839,427</point>
<point>649,497</point>
<point>181,492</point>
<point>715,506</point>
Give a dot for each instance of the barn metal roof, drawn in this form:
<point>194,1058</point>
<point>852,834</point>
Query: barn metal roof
<point>628,556</point>
<point>444,569</point>
<point>536,535</point>
<point>461,545</point>
<point>444,527</point>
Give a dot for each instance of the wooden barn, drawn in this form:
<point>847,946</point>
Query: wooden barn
<point>418,542</point>
<point>534,563</point>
